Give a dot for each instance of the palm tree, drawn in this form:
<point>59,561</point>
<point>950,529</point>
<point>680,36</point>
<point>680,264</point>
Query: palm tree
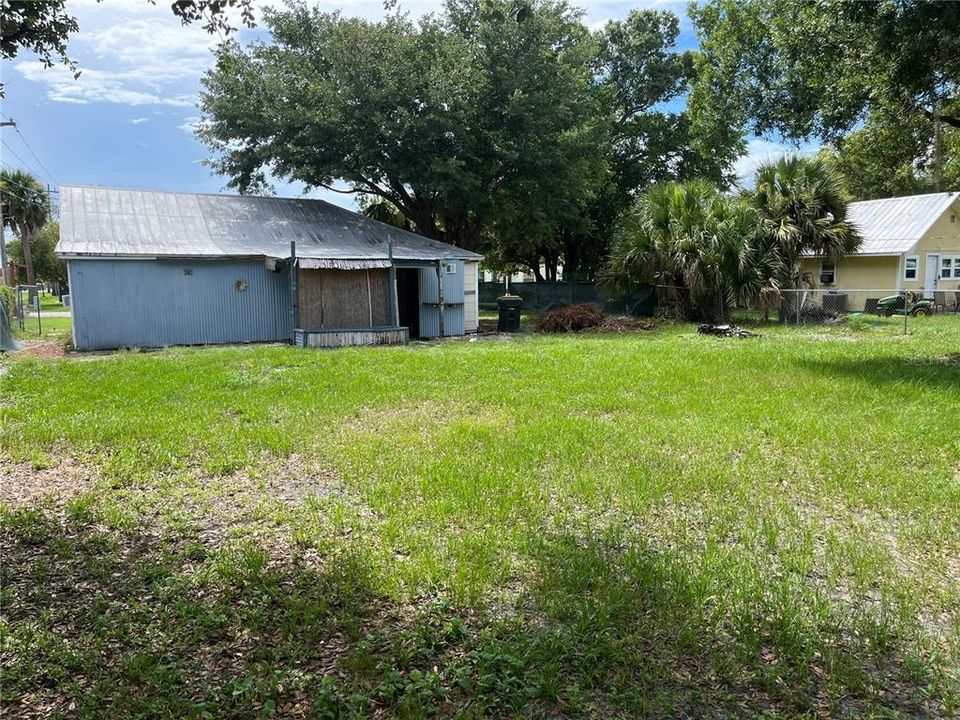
<point>753,267</point>
<point>26,208</point>
<point>705,251</point>
<point>803,207</point>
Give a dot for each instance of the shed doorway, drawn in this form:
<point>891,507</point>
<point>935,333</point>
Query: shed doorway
<point>408,300</point>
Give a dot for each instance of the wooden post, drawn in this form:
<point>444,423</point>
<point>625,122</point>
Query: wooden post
<point>392,289</point>
<point>294,302</point>
<point>369,301</point>
<point>440,292</point>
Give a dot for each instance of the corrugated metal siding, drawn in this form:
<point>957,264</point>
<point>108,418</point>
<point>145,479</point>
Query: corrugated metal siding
<point>154,303</point>
<point>429,296</point>
<point>453,320</point>
<point>453,292</point>
<point>453,317</point>
<point>452,282</point>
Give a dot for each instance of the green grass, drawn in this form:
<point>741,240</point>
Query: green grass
<point>649,524</point>
<point>55,328</point>
<point>51,303</point>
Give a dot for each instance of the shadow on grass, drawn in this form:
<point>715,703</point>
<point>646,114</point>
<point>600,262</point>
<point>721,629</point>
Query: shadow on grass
<point>100,623</point>
<point>937,372</point>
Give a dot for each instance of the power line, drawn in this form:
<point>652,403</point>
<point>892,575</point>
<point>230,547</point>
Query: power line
<point>30,150</point>
<point>22,161</point>
<point>32,188</point>
<point>19,197</point>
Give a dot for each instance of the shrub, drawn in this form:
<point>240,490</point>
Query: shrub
<point>572,318</point>
<point>7,299</point>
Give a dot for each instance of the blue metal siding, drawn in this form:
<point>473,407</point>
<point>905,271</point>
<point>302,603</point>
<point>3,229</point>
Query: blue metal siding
<point>453,323</point>
<point>452,282</point>
<point>429,293</point>
<point>154,303</point>
<point>453,317</point>
<point>453,320</point>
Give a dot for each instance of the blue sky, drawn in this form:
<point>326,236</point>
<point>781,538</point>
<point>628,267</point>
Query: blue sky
<point>127,121</point>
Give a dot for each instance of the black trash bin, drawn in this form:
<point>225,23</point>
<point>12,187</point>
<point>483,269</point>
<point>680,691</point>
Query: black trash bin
<point>508,319</point>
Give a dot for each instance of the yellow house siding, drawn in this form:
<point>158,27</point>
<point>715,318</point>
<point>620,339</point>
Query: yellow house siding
<point>858,276</point>
<point>943,238</point>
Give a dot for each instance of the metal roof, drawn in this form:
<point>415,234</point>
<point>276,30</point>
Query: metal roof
<point>112,222</point>
<point>894,225</point>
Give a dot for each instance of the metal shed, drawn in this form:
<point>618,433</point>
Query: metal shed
<point>150,269</point>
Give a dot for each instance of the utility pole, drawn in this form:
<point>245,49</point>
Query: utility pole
<point>7,280</point>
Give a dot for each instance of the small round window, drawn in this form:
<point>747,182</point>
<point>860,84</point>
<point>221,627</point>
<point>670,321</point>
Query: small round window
<point>240,285</point>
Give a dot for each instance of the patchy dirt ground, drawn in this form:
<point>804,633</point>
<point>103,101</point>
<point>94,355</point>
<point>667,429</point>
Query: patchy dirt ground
<point>23,484</point>
<point>42,348</point>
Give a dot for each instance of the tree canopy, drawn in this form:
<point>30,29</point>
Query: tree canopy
<point>890,157</point>
<point>504,126</point>
<point>808,68</point>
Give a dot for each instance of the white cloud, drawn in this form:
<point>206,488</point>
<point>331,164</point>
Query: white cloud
<point>128,55</point>
<point>138,121</point>
<point>125,87</point>
<point>152,42</point>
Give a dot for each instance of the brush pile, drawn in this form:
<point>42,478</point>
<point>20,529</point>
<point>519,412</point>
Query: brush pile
<point>572,318</point>
<point>577,318</point>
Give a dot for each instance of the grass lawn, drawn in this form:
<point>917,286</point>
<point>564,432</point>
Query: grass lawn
<point>55,328</point>
<point>51,303</point>
<point>649,524</point>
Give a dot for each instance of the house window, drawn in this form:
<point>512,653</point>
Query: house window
<point>450,268</point>
<point>910,268</point>
<point>828,272</point>
<point>950,268</point>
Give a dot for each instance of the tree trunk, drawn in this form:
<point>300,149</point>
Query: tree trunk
<point>550,264</point>
<point>25,238</point>
<point>787,312</point>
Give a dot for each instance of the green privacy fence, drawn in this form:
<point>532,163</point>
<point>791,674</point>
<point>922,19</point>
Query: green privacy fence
<point>549,295</point>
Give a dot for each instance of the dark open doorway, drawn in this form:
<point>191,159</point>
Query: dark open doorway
<point>408,299</point>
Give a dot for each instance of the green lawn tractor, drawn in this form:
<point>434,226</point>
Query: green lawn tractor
<point>904,302</point>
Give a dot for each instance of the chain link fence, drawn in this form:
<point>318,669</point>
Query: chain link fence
<point>547,295</point>
<point>819,306</point>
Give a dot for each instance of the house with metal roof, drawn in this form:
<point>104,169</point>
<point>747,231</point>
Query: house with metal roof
<point>151,269</point>
<point>909,243</point>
